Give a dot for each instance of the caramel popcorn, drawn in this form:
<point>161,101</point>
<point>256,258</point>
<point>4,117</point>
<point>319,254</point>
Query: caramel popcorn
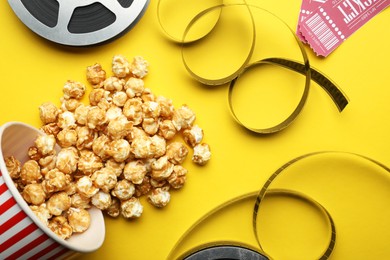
<point>67,137</point>
<point>150,125</point>
<point>123,145</point>
<point>178,177</point>
<point>95,74</point>
<point>161,168</point>
<point>120,66</point>
<point>81,114</point>
<point>139,67</point>
<point>113,84</point>
<point>148,163</point>
<point>176,152</point>
<point>79,219</point>
<point>33,153</point>
<point>89,162</point>
<point>115,167</point>
<point>85,187</point>
<point>71,187</point>
<point>144,187</point>
<point>119,98</point>
<point>158,146</point>
<point>114,210</point>
<point>51,129</point>
<point>113,112</point>
<point>101,200</point>
<point>119,127</point>
<point>79,201</point>
<point>13,167</point>
<point>98,95</point>
<point>141,145</point>
<point>183,117</point>
<point>100,146</point>
<point>34,194</point>
<point>134,87</point>
<point>123,190</point>
<point>158,183</point>
<point>55,180</point>
<point>166,107</point>
<point>159,197</point>
<point>60,226</point>
<point>202,154</point>
<point>73,89</point>
<point>131,208</point>
<point>167,129</point>
<point>48,113</point>
<point>133,110</point>
<point>119,150</point>
<point>193,136</point>
<point>45,144</point>
<point>96,117</point>
<point>58,203</point>
<point>151,109</point>
<point>42,213</point>
<point>47,163</point>
<point>30,172</point>
<point>67,160</point>
<point>69,104</point>
<point>104,179</point>
<point>85,137</point>
<point>135,171</point>
<point>147,95</point>
<point>66,119</point>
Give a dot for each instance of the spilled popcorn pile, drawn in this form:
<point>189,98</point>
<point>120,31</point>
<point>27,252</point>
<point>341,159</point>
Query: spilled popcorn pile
<point>116,149</point>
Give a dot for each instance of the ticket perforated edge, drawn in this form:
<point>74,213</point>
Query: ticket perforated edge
<point>307,8</point>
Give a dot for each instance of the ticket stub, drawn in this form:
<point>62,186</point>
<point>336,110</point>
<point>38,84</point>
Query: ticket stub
<point>326,27</point>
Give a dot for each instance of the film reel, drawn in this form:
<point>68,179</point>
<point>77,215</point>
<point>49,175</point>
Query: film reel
<point>79,23</point>
<point>232,252</point>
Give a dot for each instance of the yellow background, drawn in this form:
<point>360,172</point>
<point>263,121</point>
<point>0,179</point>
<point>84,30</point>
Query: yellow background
<point>34,70</point>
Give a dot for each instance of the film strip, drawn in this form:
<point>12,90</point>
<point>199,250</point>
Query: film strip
<point>233,77</point>
<point>79,23</point>
<point>220,249</point>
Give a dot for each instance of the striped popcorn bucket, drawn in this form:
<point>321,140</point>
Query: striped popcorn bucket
<point>22,234</point>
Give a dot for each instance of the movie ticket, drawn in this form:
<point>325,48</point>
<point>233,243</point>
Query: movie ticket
<point>325,24</point>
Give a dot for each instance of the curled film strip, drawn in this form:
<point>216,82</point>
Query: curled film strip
<point>79,23</point>
<point>220,249</point>
<point>186,38</point>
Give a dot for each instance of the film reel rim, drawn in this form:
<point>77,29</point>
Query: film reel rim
<point>220,246</point>
<point>126,19</point>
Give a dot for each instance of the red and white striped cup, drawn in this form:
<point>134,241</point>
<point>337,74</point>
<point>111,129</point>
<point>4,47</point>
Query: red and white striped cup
<point>22,234</point>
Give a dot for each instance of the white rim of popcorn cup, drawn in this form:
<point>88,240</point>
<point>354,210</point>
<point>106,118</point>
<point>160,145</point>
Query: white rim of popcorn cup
<point>22,234</point>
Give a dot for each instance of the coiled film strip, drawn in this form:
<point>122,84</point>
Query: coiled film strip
<point>219,249</point>
<point>233,78</point>
<point>79,23</point>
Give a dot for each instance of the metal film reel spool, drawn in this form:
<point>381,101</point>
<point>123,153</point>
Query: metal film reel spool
<point>79,22</point>
<point>231,252</point>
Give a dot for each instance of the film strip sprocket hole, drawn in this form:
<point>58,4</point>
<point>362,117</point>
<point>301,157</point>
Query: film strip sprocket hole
<point>79,23</point>
<point>343,208</point>
<point>188,41</point>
